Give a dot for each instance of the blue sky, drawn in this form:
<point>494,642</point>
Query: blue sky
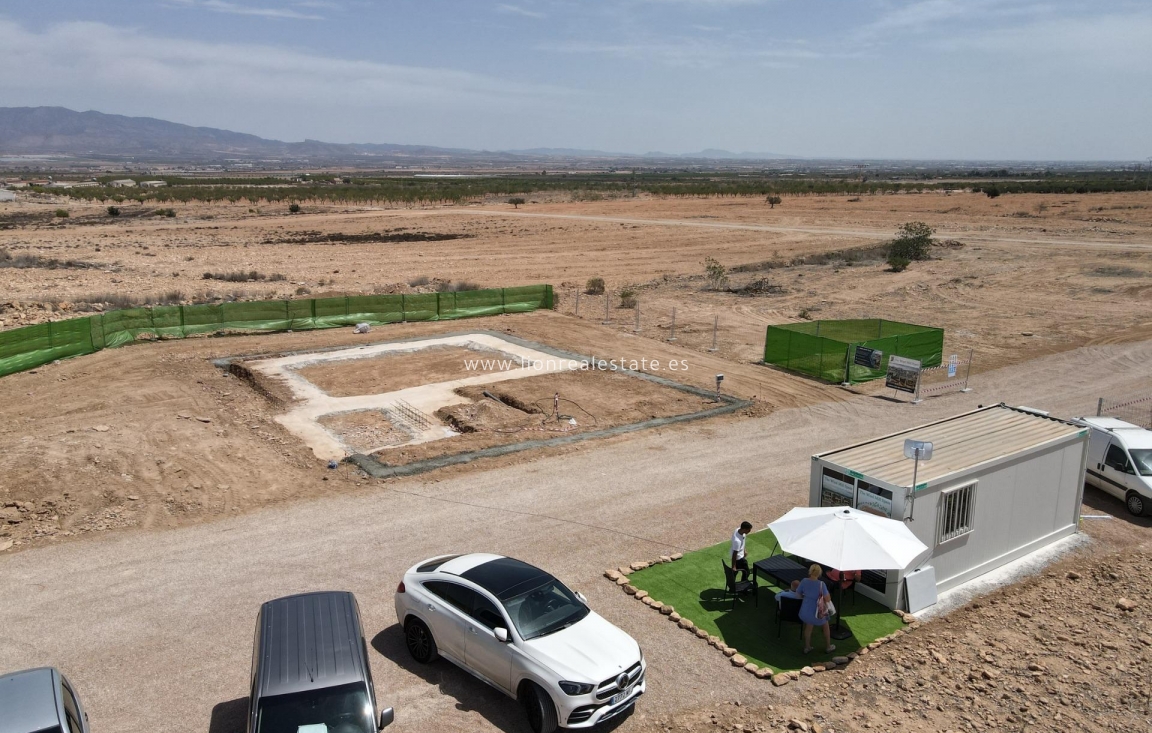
<point>929,79</point>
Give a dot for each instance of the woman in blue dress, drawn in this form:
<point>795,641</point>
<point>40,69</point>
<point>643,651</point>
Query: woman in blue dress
<point>813,608</point>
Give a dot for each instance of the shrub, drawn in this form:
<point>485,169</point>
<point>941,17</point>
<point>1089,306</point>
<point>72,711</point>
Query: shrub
<point>170,213</point>
<point>294,208</point>
<point>516,202</point>
<point>113,211</point>
<point>991,192</point>
<point>239,276</point>
<point>455,287</point>
<point>302,290</point>
<point>773,200</point>
<point>62,213</point>
<point>277,277</point>
<point>716,274</point>
<point>627,297</point>
<point>898,264</point>
<point>912,241</point>
<point>594,286</point>
<point>805,314</point>
<point>419,281</point>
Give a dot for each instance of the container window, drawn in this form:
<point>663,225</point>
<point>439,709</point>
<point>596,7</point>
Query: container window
<point>956,509</point>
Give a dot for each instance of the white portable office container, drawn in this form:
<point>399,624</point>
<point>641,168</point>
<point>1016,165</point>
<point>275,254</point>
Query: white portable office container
<point>1002,482</point>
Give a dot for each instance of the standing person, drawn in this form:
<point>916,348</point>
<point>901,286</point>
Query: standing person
<point>813,608</point>
<point>739,556</point>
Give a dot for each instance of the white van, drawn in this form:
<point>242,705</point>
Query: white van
<point>1120,461</point>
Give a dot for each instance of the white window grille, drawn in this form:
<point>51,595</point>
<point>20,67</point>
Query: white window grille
<point>956,511</point>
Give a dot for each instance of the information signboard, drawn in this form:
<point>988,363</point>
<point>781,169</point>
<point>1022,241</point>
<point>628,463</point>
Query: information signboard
<point>866,357</point>
<point>903,374</point>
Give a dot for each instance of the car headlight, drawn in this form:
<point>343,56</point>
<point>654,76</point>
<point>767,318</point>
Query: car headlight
<point>576,688</point>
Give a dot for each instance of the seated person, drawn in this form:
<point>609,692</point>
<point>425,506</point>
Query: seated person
<point>790,593</point>
<point>846,578</point>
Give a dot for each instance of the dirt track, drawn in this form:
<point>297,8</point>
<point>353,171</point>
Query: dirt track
<point>167,614</point>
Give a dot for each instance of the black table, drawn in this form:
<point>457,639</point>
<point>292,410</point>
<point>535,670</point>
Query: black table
<point>784,570</point>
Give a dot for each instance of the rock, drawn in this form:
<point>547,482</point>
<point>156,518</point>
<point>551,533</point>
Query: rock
<point>830,665</point>
<point>989,674</point>
<point>751,668</point>
<point>646,600</point>
<point>624,571</point>
<point>780,679</point>
<point>667,609</point>
<point>630,589</point>
<point>1126,605</point>
<point>940,658</point>
<point>685,623</point>
<point>133,497</point>
<point>799,725</point>
<point>1023,614</point>
<point>794,674</point>
<point>101,428</point>
<point>656,604</point>
<point>738,660</point>
<point>818,668</point>
<point>184,415</point>
<point>641,594</point>
<point>840,661</point>
<point>1033,667</point>
<point>201,418</point>
<point>729,651</point>
<point>611,575</point>
<point>715,641</point>
<point>701,633</point>
<point>676,556</point>
<point>1073,575</point>
<point>5,544</point>
<point>674,617</point>
<point>665,558</point>
<point>807,671</point>
<point>621,581</point>
<point>638,565</point>
<point>764,673</point>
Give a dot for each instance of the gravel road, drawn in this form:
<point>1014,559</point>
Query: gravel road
<point>155,627</point>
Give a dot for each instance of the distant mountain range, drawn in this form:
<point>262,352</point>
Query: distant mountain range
<point>61,131</point>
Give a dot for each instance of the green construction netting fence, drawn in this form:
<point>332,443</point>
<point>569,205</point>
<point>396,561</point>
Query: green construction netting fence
<point>821,348</point>
<point>31,346</point>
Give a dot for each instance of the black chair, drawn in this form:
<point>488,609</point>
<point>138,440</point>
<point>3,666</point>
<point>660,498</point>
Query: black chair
<point>735,587</point>
<point>788,609</point>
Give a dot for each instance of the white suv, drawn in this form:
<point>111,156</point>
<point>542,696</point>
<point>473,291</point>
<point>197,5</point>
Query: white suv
<point>522,631</point>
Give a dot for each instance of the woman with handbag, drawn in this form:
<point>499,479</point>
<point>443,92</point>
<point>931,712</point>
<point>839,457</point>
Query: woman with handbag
<point>815,608</point>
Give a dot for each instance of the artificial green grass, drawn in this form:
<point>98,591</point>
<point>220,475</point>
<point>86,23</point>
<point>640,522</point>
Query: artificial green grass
<point>695,586</point>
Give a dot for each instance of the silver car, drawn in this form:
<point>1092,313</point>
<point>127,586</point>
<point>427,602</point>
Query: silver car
<point>40,701</point>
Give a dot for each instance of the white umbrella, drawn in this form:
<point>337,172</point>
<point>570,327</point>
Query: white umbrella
<point>847,539</point>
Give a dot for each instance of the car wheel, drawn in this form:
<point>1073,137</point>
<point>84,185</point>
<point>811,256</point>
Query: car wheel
<point>541,710</point>
<point>420,643</point>
<point>1137,505</point>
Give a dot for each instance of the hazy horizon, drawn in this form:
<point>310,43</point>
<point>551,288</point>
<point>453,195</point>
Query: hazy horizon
<point>918,80</point>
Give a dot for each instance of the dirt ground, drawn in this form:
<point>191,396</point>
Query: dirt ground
<point>589,400</point>
<point>365,430</point>
<point>1034,273</point>
<point>390,372</point>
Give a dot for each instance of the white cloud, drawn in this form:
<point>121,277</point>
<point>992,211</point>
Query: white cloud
<point>83,59</point>
<point>691,52</point>
<point>222,6</point>
<point>1111,40</point>
<point>517,10</point>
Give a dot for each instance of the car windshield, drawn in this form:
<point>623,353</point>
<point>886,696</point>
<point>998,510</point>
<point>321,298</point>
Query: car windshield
<point>1142,457</point>
<point>341,709</point>
<point>545,609</point>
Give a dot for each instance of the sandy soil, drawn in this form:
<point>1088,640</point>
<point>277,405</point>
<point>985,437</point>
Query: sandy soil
<point>365,430</point>
<point>388,373</point>
<point>594,400</point>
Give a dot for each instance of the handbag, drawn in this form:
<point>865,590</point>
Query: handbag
<point>829,609</point>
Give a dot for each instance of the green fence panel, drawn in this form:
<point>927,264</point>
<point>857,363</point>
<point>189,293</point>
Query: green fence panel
<point>527,298</point>
<point>205,318</point>
<point>472,303</point>
<point>927,346</point>
<point>776,346</point>
<point>96,329</point>
<point>123,326</point>
<point>421,307</point>
<point>301,315</point>
<point>33,346</point>
<point>376,310</point>
<point>259,315</point>
<point>332,312</point>
<point>445,306</point>
<point>168,321</point>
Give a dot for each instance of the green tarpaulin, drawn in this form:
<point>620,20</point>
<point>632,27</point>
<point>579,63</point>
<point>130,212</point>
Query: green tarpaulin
<point>31,346</point>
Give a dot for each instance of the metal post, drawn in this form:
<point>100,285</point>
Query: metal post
<point>915,470</point>
<point>1100,407</point>
<point>577,303</point>
<point>968,371</point>
<point>847,365</point>
<point>715,325</point>
<point>672,333</point>
<point>916,397</point>
<point>607,304</point>
<point>636,328</point>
